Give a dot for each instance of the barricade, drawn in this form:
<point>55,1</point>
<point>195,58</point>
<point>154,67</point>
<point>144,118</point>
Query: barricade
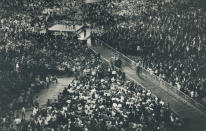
<point>165,85</point>
<point>107,61</point>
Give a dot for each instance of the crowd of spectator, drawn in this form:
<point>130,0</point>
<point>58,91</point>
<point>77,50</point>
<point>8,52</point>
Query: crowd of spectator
<point>169,39</point>
<point>113,104</point>
<point>97,13</point>
<point>29,57</point>
<point>99,98</point>
<point>26,60</point>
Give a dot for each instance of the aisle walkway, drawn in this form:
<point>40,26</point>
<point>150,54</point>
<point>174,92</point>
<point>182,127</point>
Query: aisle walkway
<point>53,90</point>
<point>194,119</point>
<point>50,93</point>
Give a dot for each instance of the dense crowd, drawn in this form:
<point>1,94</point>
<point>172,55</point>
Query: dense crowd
<point>28,62</point>
<point>99,98</point>
<point>97,13</point>
<point>113,104</point>
<point>30,59</point>
<point>169,39</point>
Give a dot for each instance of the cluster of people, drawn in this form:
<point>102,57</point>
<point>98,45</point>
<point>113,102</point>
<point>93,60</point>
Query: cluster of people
<point>99,98</point>
<point>113,104</point>
<point>97,13</point>
<point>30,56</point>
<point>28,62</point>
<point>168,38</point>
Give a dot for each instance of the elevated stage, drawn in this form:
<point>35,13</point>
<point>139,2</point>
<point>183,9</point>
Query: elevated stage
<point>65,28</point>
<point>83,32</point>
<point>91,1</point>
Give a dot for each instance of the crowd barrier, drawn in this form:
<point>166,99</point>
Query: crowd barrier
<point>132,65</point>
<point>163,84</point>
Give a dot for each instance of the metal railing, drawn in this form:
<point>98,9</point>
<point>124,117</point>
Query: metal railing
<point>132,66</point>
<point>163,84</point>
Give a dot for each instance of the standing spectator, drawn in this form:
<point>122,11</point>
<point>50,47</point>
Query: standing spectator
<point>17,122</point>
<point>36,101</point>
<point>23,113</point>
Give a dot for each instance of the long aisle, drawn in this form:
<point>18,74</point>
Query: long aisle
<point>193,118</point>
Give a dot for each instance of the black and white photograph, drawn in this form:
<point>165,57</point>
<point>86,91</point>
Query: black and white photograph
<point>102,65</point>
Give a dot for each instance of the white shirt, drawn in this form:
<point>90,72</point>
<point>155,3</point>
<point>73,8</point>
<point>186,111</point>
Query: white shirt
<point>17,121</point>
<point>114,72</point>
<point>35,110</point>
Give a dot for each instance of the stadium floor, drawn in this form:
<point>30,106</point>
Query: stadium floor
<point>194,120</point>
